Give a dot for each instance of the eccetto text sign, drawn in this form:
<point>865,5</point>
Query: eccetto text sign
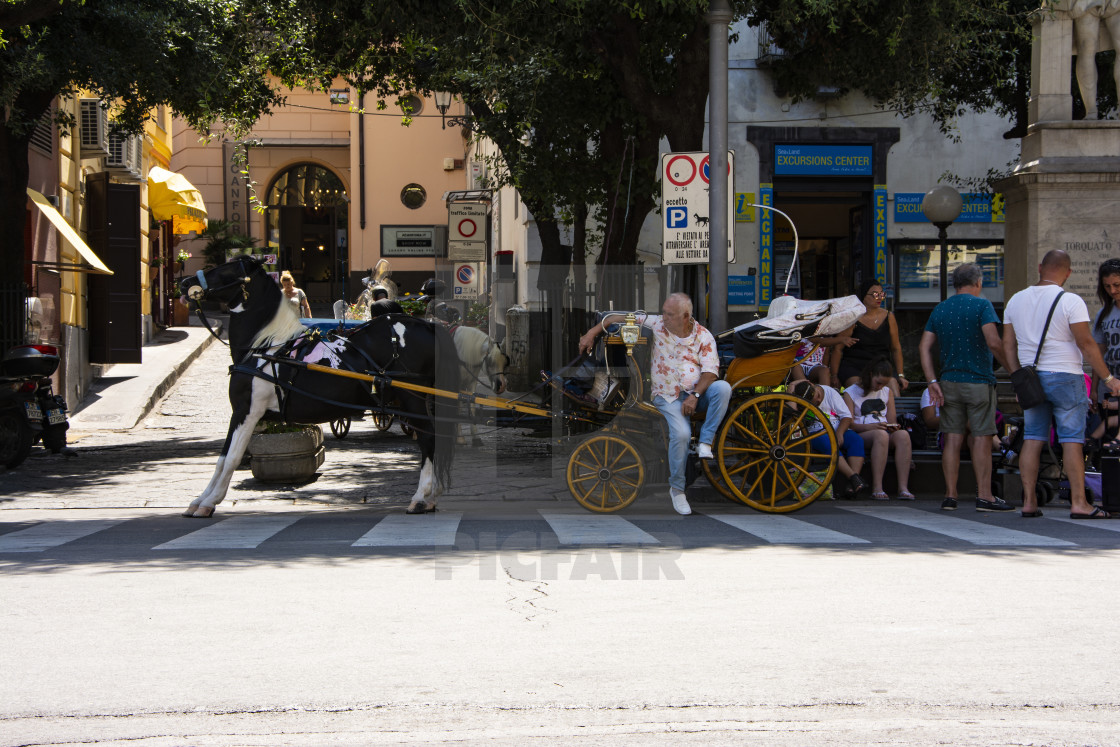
<point>684,208</point>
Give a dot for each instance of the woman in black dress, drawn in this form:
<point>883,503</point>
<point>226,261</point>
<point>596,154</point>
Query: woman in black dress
<point>873,336</point>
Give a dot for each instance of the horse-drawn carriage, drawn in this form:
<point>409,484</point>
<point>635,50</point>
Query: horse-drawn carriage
<point>408,367</point>
<point>763,457</point>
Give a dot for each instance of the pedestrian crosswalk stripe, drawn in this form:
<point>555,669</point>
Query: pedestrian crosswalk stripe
<point>595,529</point>
<point>777,529</point>
<point>1111,526</point>
<point>425,530</point>
<point>235,533</point>
<point>976,532</point>
<point>45,536</point>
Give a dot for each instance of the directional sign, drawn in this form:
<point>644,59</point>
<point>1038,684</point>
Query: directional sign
<point>684,205</point>
<point>466,231</point>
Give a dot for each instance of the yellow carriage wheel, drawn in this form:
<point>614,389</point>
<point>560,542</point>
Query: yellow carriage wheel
<point>765,457</point>
<point>605,473</point>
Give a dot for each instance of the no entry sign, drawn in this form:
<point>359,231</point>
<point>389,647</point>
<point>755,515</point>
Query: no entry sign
<point>466,231</point>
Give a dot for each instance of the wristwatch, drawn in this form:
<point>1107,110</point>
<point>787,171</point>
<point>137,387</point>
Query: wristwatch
<point>695,394</point>
<point>1110,378</point>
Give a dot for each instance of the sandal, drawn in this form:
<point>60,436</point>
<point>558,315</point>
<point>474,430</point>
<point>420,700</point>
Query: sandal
<point>1096,514</point>
<point>855,484</point>
<point>880,496</point>
<point>1032,514</point>
<point>905,495</point>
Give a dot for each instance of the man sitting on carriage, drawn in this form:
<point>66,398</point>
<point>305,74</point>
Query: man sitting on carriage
<point>685,378</point>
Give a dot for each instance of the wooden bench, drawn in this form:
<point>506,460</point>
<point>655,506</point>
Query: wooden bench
<point>912,404</point>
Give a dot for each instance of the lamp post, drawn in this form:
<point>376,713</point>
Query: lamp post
<point>443,103</point>
<point>941,206</point>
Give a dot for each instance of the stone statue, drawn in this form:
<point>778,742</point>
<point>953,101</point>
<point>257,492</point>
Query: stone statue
<point>1089,16</point>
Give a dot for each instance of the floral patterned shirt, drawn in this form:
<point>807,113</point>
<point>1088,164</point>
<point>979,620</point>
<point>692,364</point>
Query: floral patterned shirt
<point>677,362</point>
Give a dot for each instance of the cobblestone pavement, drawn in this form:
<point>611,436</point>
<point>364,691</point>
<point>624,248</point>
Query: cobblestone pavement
<point>168,458</point>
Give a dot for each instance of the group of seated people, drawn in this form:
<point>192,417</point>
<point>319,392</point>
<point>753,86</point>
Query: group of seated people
<point>864,416</point>
<point>866,424</point>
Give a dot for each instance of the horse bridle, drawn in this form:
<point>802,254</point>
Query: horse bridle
<point>204,290</point>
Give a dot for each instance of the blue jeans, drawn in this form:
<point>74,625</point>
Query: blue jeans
<point>1066,401</point>
<point>851,445</point>
<point>714,400</point>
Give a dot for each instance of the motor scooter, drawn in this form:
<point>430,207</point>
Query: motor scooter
<point>29,409</point>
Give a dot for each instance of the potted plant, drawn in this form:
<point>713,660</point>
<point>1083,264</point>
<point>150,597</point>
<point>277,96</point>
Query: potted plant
<point>284,452</point>
<point>223,242</point>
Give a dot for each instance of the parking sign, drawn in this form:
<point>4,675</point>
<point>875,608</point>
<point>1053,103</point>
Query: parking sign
<point>684,202</point>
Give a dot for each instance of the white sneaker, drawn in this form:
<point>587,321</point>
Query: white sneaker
<point>704,451</point>
<point>680,503</point>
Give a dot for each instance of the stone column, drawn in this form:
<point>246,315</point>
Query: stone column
<point>1051,66</point>
<point>1064,193</point>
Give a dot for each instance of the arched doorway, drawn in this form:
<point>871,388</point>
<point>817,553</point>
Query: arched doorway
<point>306,225</point>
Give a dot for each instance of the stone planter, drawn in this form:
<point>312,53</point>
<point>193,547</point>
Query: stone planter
<point>287,457</point>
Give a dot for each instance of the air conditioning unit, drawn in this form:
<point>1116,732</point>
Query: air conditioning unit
<point>93,128</point>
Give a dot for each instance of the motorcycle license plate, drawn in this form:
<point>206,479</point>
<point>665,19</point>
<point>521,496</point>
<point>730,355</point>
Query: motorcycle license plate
<point>34,414</point>
<point>54,417</point>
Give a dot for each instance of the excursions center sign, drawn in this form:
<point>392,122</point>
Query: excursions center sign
<point>822,160</point>
<point>684,205</point>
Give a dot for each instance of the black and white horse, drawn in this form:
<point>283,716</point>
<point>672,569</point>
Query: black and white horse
<point>400,347</point>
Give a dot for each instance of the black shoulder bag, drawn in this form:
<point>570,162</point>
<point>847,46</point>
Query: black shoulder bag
<point>1028,387</point>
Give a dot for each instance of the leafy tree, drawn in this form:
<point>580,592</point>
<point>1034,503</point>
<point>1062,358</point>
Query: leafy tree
<point>940,57</point>
<point>579,95</point>
<point>206,59</point>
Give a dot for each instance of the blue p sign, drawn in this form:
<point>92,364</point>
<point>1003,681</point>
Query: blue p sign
<point>676,217</point>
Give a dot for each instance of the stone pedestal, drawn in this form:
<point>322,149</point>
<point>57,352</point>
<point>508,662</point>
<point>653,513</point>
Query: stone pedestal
<point>1064,195</point>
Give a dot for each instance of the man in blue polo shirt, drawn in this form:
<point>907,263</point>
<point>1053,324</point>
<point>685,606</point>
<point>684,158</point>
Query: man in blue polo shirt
<point>965,326</point>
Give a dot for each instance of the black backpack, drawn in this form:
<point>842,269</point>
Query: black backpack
<point>916,427</point>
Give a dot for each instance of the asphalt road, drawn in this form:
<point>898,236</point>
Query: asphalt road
<point>320,614</point>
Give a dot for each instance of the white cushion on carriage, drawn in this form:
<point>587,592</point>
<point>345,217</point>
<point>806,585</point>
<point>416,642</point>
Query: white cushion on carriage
<point>831,316</point>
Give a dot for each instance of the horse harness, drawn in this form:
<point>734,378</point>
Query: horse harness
<point>292,356</point>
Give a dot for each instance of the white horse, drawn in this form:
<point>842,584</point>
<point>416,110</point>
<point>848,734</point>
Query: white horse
<point>483,362</point>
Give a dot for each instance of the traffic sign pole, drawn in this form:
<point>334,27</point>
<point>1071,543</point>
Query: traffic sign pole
<point>719,17</point>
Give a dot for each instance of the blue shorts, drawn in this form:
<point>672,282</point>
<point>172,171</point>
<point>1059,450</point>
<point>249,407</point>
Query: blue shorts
<point>851,445</point>
<point>1066,402</point>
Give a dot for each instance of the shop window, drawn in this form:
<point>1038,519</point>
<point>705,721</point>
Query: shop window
<point>919,270</point>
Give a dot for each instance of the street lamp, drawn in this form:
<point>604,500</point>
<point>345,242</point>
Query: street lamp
<point>941,206</point>
<point>443,103</point>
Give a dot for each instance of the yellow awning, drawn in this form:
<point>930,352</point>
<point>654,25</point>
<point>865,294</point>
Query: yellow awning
<point>171,197</point>
<point>97,266</point>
